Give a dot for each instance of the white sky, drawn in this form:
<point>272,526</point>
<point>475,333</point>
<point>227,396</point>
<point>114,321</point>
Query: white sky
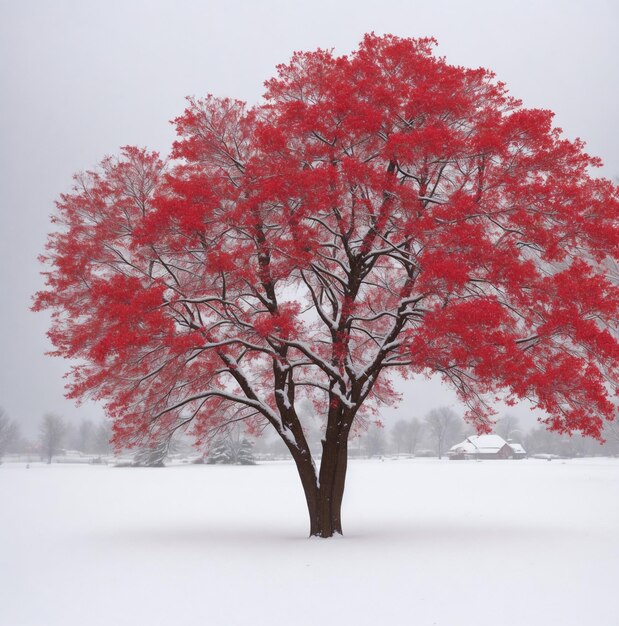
<point>78,79</point>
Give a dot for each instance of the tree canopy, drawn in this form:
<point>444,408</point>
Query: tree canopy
<point>379,212</point>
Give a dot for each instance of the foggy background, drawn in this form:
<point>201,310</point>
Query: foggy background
<point>80,79</point>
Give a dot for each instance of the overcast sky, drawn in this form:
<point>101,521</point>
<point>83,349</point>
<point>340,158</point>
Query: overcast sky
<point>80,78</point>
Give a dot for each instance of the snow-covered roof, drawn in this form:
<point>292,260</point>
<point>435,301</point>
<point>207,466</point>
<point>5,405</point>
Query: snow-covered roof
<point>488,444</point>
<point>465,446</point>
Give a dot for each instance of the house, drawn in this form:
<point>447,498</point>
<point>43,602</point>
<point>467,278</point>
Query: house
<point>519,451</point>
<point>486,447</point>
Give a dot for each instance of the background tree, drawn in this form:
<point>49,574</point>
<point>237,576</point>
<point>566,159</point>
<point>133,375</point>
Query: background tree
<point>443,428</point>
<point>82,438</point>
<point>245,455</point>
<point>52,432</point>
<point>405,435</point>
<point>9,433</point>
<point>153,454</point>
<point>374,440</point>
<point>219,454</point>
<point>611,435</point>
<point>233,448</point>
<point>398,434</point>
<point>102,437</point>
<point>240,447</point>
<point>379,212</point>
<point>508,426</point>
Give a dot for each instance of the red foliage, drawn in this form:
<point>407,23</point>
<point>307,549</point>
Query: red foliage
<point>380,211</point>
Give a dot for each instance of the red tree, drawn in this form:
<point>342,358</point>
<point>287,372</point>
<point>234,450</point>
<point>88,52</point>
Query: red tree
<point>379,212</point>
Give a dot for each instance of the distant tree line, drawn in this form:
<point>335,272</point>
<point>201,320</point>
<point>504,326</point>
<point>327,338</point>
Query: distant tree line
<point>432,435</point>
<point>87,437</point>
<point>9,434</point>
<point>55,436</point>
<point>441,428</point>
<point>539,440</point>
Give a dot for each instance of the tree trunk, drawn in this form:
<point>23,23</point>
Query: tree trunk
<point>324,500</point>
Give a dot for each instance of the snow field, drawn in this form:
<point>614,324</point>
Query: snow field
<point>427,543</point>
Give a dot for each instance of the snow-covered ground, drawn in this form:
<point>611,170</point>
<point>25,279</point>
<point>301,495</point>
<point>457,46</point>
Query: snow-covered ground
<point>427,542</point>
